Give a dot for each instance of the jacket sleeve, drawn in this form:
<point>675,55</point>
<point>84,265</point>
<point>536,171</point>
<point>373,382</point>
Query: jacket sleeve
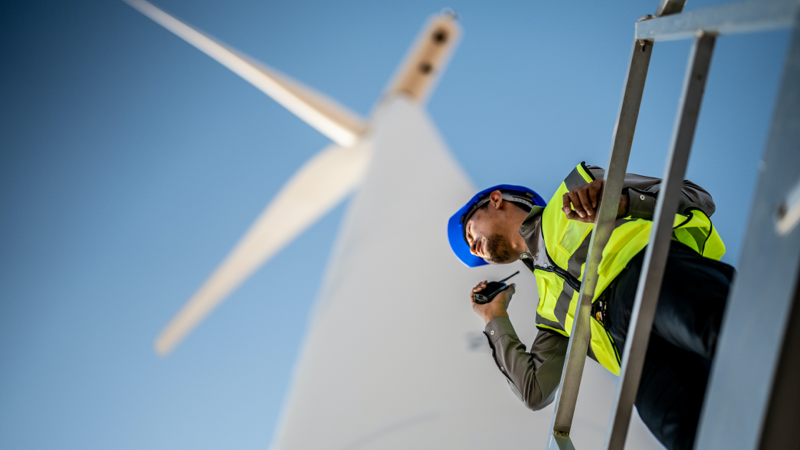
<point>643,192</point>
<point>533,375</point>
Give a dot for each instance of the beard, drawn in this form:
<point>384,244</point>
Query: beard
<point>498,250</point>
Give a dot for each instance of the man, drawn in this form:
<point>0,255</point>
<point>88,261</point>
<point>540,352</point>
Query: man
<point>507,223</point>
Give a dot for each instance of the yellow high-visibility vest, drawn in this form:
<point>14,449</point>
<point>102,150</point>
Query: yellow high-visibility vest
<point>567,243</point>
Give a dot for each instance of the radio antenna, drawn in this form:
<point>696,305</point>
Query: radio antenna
<point>509,277</point>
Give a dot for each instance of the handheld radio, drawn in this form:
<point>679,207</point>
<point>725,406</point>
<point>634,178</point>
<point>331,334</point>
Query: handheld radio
<point>491,290</point>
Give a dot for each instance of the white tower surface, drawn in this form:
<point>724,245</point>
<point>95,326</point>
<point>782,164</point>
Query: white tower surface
<point>395,358</point>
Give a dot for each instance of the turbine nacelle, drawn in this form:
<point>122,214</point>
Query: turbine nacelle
<point>417,75</point>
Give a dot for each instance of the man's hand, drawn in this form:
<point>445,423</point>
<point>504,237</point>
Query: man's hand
<point>497,307</point>
<point>585,202</point>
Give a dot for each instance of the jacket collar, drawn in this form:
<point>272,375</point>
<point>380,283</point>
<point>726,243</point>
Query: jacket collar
<point>530,230</point>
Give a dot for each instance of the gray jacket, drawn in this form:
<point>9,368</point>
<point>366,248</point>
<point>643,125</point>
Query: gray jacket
<point>534,374</point>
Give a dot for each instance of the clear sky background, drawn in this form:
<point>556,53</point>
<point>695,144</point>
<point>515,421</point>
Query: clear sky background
<point>130,163</point>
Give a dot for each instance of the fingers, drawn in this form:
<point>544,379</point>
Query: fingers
<point>595,190</point>
<point>576,203</point>
<point>503,299</point>
<point>510,291</point>
<point>497,307</point>
<point>583,195</point>
<point>581,204</point>
<point>509,294</point>
<point>572,215</point>
<point>566,207</point>
<point>479,287</point>
<point>572,198</point>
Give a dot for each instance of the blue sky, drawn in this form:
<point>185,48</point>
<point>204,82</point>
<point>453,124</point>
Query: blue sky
<point>130,163</point>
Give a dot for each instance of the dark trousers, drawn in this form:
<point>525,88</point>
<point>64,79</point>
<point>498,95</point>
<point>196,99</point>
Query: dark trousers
<point>682,343</point>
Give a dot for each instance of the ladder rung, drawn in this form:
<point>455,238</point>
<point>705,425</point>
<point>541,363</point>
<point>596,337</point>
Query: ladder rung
<point>655,258</point>
<point>741,17</point>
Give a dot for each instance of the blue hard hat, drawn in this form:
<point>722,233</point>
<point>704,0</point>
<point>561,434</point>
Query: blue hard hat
<point>455,226</point>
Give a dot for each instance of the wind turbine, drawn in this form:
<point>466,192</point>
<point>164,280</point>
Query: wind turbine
<point>325,180</point>
<point>383,365</point>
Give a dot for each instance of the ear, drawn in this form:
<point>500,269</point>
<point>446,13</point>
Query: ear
<point>496,199</point>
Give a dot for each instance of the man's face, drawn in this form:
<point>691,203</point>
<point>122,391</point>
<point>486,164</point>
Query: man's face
<point>488,238</point>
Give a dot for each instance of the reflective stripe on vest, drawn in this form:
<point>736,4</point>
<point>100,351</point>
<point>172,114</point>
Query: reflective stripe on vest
<point>567,244</point>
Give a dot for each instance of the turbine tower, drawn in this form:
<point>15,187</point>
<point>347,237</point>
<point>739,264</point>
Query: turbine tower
<point>385,364</point>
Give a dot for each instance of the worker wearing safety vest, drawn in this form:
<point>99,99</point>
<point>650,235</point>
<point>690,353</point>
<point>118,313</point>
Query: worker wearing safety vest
<point>507,223</point>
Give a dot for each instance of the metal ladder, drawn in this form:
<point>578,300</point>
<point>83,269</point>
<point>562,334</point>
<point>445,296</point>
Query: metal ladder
<point>752,399</point>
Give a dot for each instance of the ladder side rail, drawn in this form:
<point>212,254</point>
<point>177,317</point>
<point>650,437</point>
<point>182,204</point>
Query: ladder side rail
<point>740,17</point>
<point>752,342</point>
<point>667,7</point>
<point>655,258</point>
<point>783,413</point>
<point>624,130</point>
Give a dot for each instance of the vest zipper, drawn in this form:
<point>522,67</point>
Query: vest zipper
<point>566,276</point>
<point>574,283</point>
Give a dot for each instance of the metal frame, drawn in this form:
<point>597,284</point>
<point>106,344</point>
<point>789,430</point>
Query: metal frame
<point>742,405</point>
<point>741,17</point>
<point>773,238</point>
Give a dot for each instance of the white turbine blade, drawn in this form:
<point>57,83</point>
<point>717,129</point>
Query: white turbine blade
<point>313,191</point>
<point>324,114</point>
<point>427,59</point>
